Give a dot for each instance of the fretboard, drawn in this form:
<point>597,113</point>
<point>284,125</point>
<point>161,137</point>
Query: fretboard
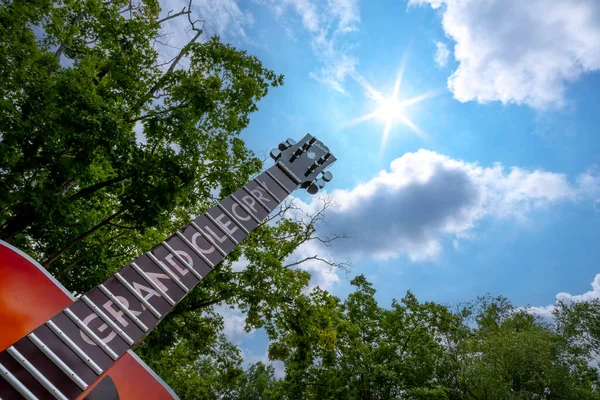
<point>64,356</point>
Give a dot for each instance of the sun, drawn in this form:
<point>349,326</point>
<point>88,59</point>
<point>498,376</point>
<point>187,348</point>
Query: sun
<point>390,110</point>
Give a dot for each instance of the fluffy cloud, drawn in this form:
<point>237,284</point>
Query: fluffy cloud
<point>522,52</point>
<point>322,274</point>
<point>545,312</point>
<point>426,196</point>
<point>223,17</point>
<point>442,53</point>
<point>234,322</point>
<point>328,23</point>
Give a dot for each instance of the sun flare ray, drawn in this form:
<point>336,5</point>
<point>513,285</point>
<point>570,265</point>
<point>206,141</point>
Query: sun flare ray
<point>391,109</point>
<point>384,137</point>
<point>419,98</point>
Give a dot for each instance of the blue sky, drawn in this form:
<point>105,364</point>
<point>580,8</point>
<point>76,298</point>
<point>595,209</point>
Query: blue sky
<point>500,193</point>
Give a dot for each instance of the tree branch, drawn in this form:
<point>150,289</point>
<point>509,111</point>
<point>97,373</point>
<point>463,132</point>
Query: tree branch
<point>168,17</point>
<point>79,238</point>
<point>91,189</point>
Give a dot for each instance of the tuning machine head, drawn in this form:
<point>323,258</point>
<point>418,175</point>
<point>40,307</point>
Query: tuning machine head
<point>305,161</point>
<point>287,144</point>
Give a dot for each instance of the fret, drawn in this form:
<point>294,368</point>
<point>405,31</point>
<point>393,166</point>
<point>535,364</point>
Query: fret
<point>25,377</point>
<point>84,342</point>
<point>56,360</point>
<point>152,283</point>
<point>185,263</point>
<point>289,173</point>
<point>261,194</point>
<point>167,271</point>
<point>123,308</point>
<point>91,334</point>
<point>117,317</point>
<point>281,185</point>
<point>227,223</point>
<point>35,373</point>
<point>71,345</point>
<point>274,184</point>
<point>200,244</point>
<point>257,199</point>
<point>244,207</point>
<point>107,335</point>
<point>211,219</point>
<point>138,296</point>
<point>281,178</point>
<point>144,287</point>
<point>208,238</point>
<point>15,384</point>
<point>195,249</point>
<point>144,313</point>
<point>266,189</point>
<point>173,259</point>
<point>235,221</point>
<point>47,368</point>
<point>107,320</point>
<point>216,232</point>
<point>250,204</point>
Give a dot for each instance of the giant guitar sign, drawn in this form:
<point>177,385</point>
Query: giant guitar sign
<point>65,353</point>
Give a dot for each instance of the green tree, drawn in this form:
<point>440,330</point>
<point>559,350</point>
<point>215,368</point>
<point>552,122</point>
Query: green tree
<point>511,355</point>
<point>371,352</point>
<point>106,148</point>
<point>483,350</point>
<point>258,382</point>
<point>74,174</point>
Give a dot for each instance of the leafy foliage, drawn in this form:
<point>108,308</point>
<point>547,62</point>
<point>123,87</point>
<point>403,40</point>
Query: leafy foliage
<point>486,349</point>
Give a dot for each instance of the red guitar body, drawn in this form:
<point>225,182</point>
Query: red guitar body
<point>29,296</point>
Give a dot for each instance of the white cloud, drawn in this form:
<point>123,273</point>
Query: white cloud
<point>328,23</point>
<point>322,275</point>
<point>426,197</point>
<point>442,53</point>
<point>516,51</point>
<point>234,322</point>
<point>589,295</point>
<point>223,17</point>
<point>545,312</point>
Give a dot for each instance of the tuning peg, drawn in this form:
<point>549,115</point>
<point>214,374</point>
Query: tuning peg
<point>290,141</point>
<point>327,176</point>
<point>313,188</point>
<point>320,183</point>
<point>275,154</point>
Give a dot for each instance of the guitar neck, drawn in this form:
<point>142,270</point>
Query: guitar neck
<point>69,352</point>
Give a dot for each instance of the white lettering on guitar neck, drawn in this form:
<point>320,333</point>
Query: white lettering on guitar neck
<point>250,202</point>
<point>118,314</point>
<point>226,224</point>
<point>183,254</point>
<point>259,193</point>
<point>220,239</point>
<point>234,209</point>
<point>197,246</point>
<point>101,329</point>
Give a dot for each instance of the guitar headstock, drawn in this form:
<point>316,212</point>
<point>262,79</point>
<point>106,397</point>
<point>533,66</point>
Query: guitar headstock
<point>306,160</point>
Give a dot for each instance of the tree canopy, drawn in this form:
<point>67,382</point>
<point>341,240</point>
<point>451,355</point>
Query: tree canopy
<point>487,349</point>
